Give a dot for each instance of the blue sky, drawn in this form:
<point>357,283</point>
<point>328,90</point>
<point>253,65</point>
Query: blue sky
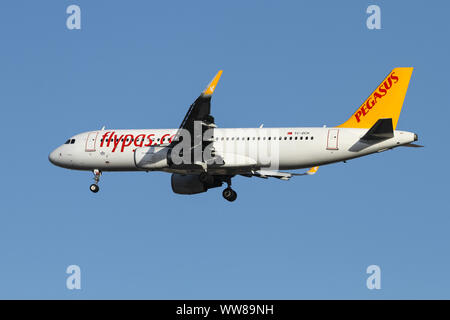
<point>140,64</point>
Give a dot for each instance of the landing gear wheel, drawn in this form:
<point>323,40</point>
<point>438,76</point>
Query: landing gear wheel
<point>234,196</point>
<point>94,188</point>
<point>229,194</point>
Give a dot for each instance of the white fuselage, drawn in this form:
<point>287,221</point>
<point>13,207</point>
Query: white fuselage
<point>256,148</point>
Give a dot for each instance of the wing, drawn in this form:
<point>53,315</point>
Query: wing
<point>199,114</point>
<point>282,175</point>
<point>200,110</point>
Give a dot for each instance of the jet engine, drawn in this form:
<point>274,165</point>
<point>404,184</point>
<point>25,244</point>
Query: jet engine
<point>192,183</point>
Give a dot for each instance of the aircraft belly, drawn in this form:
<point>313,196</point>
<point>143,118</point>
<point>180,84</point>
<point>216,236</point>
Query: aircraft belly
<point>106,161</point>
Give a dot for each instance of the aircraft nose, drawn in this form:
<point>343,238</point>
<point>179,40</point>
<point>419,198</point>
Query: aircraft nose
<point>53,157</point>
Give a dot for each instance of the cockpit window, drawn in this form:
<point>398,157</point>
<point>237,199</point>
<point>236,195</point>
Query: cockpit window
<point>67,142</point>
<point>72,141</point>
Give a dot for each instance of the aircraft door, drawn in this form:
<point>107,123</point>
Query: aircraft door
<point>90,142</point>
<point>332,140</point>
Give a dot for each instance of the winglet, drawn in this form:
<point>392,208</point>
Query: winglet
<point>312,171</point>
<point>212,85</point>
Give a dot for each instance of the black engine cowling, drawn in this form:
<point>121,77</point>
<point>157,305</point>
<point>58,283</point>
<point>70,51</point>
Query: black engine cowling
<point>191,184</point>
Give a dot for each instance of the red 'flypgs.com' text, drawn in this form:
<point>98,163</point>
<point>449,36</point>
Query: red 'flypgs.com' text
<point>110,139</point>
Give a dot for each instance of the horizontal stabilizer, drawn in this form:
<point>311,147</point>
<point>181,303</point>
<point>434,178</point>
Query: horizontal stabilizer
<point>282,175</point>
<point>382,129</point>
<point>412,145</point>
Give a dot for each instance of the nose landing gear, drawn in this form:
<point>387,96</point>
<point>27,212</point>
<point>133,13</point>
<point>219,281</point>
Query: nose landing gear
<point>228,193</point>
<point>94,187</point>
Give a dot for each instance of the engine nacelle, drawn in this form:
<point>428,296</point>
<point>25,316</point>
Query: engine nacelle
<point>187,184</point>
<point>151,158</point>
<point>191,184</point>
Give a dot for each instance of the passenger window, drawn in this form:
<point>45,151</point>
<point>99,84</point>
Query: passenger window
<point>301,138</point>
<point>306,138</point>
<point>290,138</point>
<point>312,138</point>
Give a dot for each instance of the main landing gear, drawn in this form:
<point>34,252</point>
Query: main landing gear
<point>228,193</point>
<point>211,181</point>
<point>94,187</point>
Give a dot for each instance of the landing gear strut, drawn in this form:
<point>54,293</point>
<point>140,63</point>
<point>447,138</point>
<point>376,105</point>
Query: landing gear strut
<point>94,187</point>
<point>206,178</point>
<point>228,193</point>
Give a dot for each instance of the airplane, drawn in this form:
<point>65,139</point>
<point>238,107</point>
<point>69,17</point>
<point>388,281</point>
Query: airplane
<point>200,156</point>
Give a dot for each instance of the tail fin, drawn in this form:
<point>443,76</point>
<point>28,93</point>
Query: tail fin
<point>385,102</point>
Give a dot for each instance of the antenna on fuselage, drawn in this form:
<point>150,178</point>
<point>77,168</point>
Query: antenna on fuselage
<point>103,128</point>
<point>262,125</point>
